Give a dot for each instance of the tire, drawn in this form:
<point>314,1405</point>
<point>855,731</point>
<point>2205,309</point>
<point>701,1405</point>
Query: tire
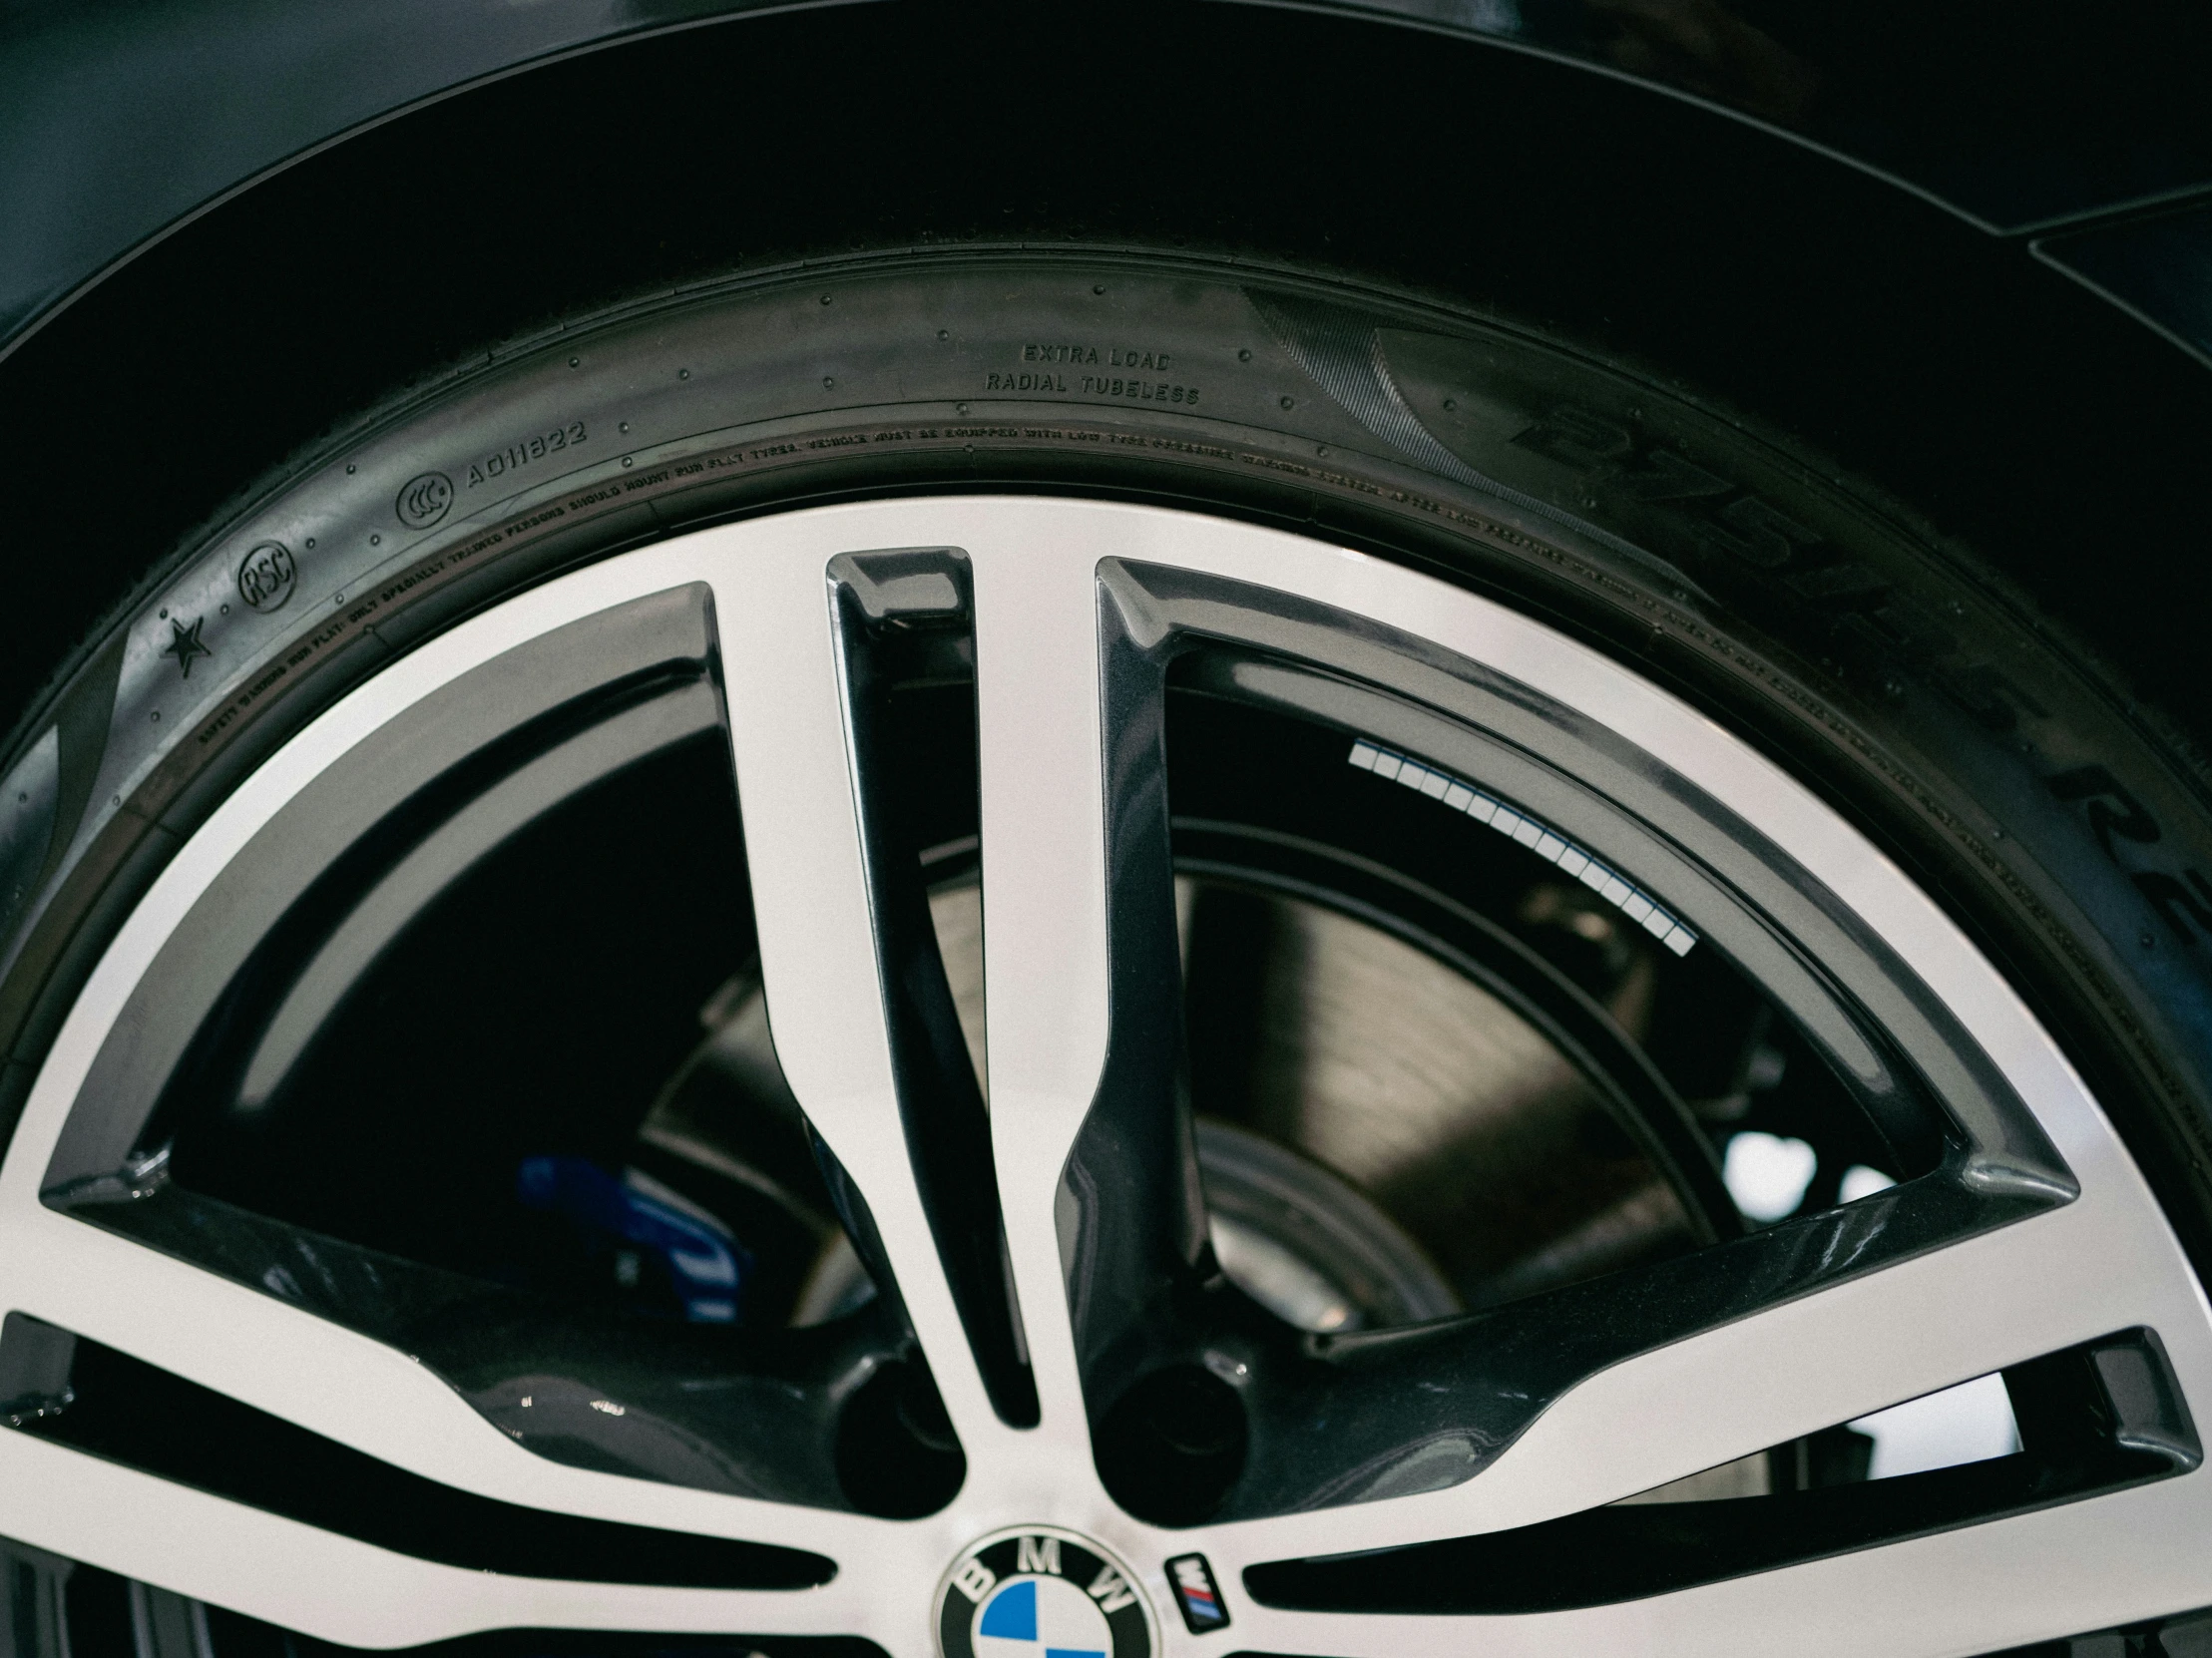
<point>2059,825</point>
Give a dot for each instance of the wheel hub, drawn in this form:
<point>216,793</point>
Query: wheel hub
<point>1042,1592</point>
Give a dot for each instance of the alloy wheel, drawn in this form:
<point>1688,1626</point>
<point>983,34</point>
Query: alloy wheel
<point>1069,1312</point>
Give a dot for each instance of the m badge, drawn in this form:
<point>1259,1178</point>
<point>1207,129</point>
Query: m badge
<point>1197,1594</point>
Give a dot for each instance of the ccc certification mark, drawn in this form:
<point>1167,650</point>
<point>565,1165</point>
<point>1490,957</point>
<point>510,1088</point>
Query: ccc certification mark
<point>265,577</point>
<point>424,501</point>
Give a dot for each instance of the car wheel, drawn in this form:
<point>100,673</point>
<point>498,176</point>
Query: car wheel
<point>1105,948</point>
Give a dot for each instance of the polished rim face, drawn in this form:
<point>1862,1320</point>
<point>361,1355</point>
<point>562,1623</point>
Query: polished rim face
<point>1247,1095</point>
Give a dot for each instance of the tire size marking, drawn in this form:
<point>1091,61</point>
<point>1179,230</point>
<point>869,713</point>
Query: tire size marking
<point>523,451</point>
<point>1790,560</point>
<point>2184,900</point>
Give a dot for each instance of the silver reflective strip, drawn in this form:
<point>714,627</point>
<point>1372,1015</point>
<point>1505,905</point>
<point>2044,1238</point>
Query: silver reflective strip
<point>1540,837</point>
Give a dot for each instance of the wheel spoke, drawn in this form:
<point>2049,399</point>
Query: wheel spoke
<point>822,945</point>
<point>1082,980</point>
<point>2126,1557</point>
<point>358,1594</point>
<point>348,1389</point>
<point>904,616</point>
<point>1555,1405</point>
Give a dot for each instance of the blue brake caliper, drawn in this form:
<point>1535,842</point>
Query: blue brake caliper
<point>705,1264</point>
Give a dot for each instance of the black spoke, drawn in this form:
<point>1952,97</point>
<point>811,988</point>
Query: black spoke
<point>1388,1411</point>
<point>1169,1432</point>
<point>751,1413</point>
<point>2094,1418</point>
<point>135,1414</point>
<point>904,620</point>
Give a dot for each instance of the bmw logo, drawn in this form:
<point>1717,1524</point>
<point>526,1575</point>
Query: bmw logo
<point>1042,1594</point>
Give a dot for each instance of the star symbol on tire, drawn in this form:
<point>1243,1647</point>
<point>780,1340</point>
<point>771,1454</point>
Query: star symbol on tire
<point>185,645</point>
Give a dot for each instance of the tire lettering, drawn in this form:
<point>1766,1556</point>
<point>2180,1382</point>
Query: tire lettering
<point>1894,623</point>
<point>1671,478</point>
<point>2175,901</point>
<point>1864,603</point>
<point>523,451</point>
<point>1990,696</point>
<point>1579,438</point>
<point>1844,581</point>
<point>1759,535</point>
<point>2099,787</point>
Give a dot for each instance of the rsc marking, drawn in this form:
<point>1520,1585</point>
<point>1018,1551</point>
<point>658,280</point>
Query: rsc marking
<point>266,575</point>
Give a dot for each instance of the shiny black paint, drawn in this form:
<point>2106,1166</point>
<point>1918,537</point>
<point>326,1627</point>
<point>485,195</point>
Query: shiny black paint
<point>2082,1435</point>
<point>1743,893</point>
<point>896,612</point>
<point>692,1397</point>
<point>135,1414</point>
<point>120,120</point>
<point>1142,1281</point>
<point>2157,266</point>
<point>345,832</point>
<point>117,123</point>
<point>1385,1413</point>
<point>750,1414</point>
<point>2014,115</point>
<point>1332,1420</point>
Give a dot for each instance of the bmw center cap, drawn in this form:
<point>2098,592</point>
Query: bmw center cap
<point>1038,1592</point>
